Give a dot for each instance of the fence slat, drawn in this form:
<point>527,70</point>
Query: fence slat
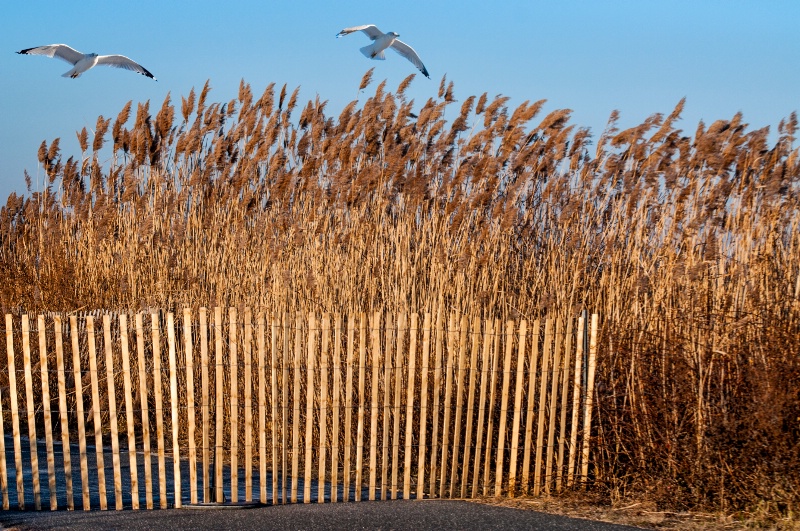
<point>3,468</point>
<point>274,410</point>
<point>564,405</point>
<point>473,362</point>
<point>496,331</point>
<point>262,409</point>
<point>285,407</point>
<point>537,474</point>
<point>412,367</point>
<point>423,407</point>
<point>551,431</point>
<point>62,415</point>
<point>533,366</point>
<point>362,402</point>
<point>397,409</point>
<point>459,385</point>
<point>96,406</point>
<point>387,404</point>
<point>323,406</point>
<point>247,352</point>
<point>48,420</point>
<point>337,406</point>
<point>206,403</point>
<point>76,365</point>
<point>485,373</point>
<point>158,392</point>
<point>298,353</point>
<point>576,397</point>
<point>437,385</point>
<point>12,392</point>
<point>126,375</point>
<point>233,353</point>
<point>219,403</point>
<point>31,410</point>
<point>148,462</point>
<point>587,419</point>
<point>348,407</point>
<point>190,407</point>
<point>512,471</point>
<point>373,432</point>
<point>112,412</point>
<point>174,406</point>
<point>311,356</point>
<point>452,335</point>
<point>501,441</point>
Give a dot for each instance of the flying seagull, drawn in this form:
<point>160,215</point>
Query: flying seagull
<point>84,61</point>
<point>385,40</point>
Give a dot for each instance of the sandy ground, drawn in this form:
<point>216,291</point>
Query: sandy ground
<point>643,514</point>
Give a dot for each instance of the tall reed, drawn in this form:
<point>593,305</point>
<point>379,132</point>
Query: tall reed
<point>687,244</point>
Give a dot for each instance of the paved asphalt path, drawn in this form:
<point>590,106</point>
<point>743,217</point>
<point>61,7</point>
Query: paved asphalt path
<point>398,514</point>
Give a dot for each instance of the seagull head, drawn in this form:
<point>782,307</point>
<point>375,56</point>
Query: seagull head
<point>393,34</point>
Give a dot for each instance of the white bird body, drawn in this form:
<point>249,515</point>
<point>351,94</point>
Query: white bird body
<point>81,62</point>
<point>382,41</point>
<point>88,61</point>
<point>375,50</point>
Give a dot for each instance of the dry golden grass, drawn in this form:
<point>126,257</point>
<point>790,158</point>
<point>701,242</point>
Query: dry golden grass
<point>687,245</point>
<point>642,513</point>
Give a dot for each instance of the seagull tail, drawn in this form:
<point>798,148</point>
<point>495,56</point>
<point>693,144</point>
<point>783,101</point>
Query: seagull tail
<point>371,53</point>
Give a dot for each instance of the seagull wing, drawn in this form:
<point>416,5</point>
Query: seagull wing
<point>408,52</point>
<point>120,61</point>
<point>370,29</point>
<point>61,51</point>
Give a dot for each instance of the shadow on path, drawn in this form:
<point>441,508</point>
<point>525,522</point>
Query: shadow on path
<point>108,468</point>
<point>397,514</point>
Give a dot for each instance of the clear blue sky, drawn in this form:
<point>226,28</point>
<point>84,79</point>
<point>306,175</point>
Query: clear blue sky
<point>637,56</point>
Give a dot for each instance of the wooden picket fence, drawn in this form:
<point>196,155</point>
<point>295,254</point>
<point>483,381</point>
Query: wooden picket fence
<point>293,407</point>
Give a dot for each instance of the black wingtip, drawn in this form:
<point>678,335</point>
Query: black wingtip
<point>25,51</point>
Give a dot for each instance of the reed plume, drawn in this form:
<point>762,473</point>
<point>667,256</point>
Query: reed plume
<point>686,244</point>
